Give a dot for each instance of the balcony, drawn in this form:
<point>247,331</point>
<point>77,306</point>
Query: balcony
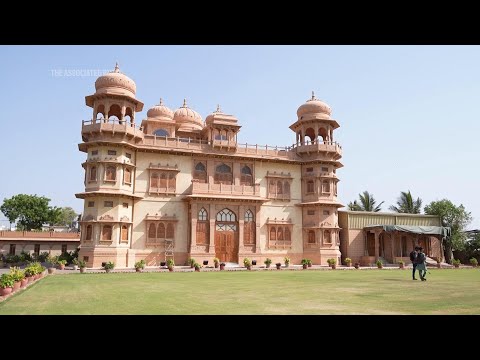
<point>221,189</point>
<point>39,235</point>
<point>111,126</point>
<point>320,147</point>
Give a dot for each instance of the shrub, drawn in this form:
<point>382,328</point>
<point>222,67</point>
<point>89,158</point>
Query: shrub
<point>379,263</point>
<point>304,262</point>
<point>456,262</point>
<point>247,262</point>
<point>473,261</point>
<point>267,261</point>
<point>348,261</point>
<point>6,280</point>
<point>109,265</point>
<point>140,264</point>
<point>331,261</point>
<point>191,262</point>
<point>401,262</point>
<point>82,263</point>
<point>170,263</point>
<point>216,261</point>
<point>286,260</point>
<point>17,273</point>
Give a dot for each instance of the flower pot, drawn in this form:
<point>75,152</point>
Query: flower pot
<point>138,269</point>
<point>348,264</point>
<point>108,270</point>
<point>170,268</point>
<point>222,266</point>
<point>30,278</point>
<point>61,267</point>
<point>163,263</point>
<point>216,265</point>
<point>278,266</point>
<point>309,265</point>
<point>75,267</point>
<point>16,285</point>
<point>304,266</point>
<point>82,270</point>
<point>51,270</point>
<point>5,291</point>
<point>249,267</point>
<point>439,265</point>
<point>333,266</point>
<point>267,265</point>
<point>357,266</point>
<point>401,266</point>
<point>205,262</point>
<point>24,282</point>
<point>456,265</point>
<point>254,262</point>
<point>197,269</point>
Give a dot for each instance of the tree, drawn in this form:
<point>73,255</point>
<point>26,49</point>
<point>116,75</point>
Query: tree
<point>66,216</point>
<point>406,204</point>
<point>30,211</point>
<point>457,218</point>
<point>367,203</point>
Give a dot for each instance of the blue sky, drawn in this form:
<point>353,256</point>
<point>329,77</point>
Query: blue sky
<point>408,115</point>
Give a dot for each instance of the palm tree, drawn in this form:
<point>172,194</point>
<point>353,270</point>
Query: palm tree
<point>406,204</point>
<point>367,203</point>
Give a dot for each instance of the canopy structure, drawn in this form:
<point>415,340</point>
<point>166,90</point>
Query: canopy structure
<point>429,230</point>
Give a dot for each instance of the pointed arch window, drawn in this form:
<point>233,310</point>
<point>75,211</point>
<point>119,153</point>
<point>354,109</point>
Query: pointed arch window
<point>202,215</point>
<point>170,231</point>
<point>249,228</point>
<point>200,173</point>
<point>124,233</point>
<point>88,236</point>
<point>246,177</point>
<point>111,173</point>
<point>160,231</point>
<point>203,227</point>
<point>93,173</point>
<point>107,232</point>
<point>223,174</point>
<point>161,132</point>
<point>127,177</point>
<point>226,215</point>
<point>326,186</point>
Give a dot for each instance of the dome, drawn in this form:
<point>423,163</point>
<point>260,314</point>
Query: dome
<point>160,112</point>
<point>115,83</point>
<point>187,117</point>
<point>314,106</point>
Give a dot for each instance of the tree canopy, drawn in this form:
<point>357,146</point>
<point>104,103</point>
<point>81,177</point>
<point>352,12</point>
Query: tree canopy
<point>406,204</point>
<point>457,218</point>
<point>66,216</point>
<point>367,203</point>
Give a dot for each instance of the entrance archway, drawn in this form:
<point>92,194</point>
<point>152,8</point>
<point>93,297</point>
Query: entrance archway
<point>226,236</point>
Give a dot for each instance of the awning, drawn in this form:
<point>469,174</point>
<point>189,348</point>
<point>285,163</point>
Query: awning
<point>429,230</point>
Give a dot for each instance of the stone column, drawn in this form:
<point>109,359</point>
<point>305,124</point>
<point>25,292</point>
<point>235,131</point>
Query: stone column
<point>193,229</point>
<point>377,251</point>
<point>257,229</point>
<point>236,174</point>
<point>211,216</point>
<point>241,221</point>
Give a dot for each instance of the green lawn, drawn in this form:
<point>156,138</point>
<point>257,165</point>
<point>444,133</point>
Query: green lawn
<point>252,292</point>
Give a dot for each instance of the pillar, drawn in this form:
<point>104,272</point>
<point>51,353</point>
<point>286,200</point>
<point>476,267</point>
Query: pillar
<point>241,221</point>
<point>211,217</point>
<point>193,228</point>
<point>376,245</point>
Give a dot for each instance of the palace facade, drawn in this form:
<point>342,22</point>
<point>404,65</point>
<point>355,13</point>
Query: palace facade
<point>174,185</point>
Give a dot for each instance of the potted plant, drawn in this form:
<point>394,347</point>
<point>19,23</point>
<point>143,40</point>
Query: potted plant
<point>75,263</point>
<point>222,266</point>
<point>247,263</point>
<point>170,264</point>
<point>332,262</point>
<point>140,265</point>
<point>348,262</point>
<point>82,264</point>
<point>18,275</point>
<point>6,284</point>
<point>379,264</point>
<point>474,262</point>
<point>163,263</point>
<point>216,262</point>
<point>357,265</point>
<point>456,262</point>
<point>309,264</point>
<point>278,265</point>
<point>61,264</point>
<point>51,262</point>
<point>401,264</point>
<point>304,263</point>
<point>191,262</point>
<point>267,262</point>
<point>109,266</point>
<point>197,266</point>
<point>286,260</point>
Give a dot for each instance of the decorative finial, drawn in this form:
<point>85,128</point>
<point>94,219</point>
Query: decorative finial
<point>161,101</point>
<point>313,95</point>
<point>184,102</point>
<point>117,69</point>
<point>218,108</point>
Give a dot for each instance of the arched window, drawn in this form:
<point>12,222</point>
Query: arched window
<point>171,180</point>
<point>88,235</point>
<point>311,237</point>
<point>161,132</point>
<point>286,188</point>
<point>170,231</point>
<point>127,176</point>
<point>223,174</point>
<point>129,114</point>
<point>200,173</point>
<point>279,188</point>
<point>154,180</point>
<point>111,173</point>
<point>246,177</point>
<point>161,231</point>
<point>107,232</point>
<point>287,234</point>
<point>115,112</point>
<point>100,112</point>
<point>326,186</point>
<point>271,188</point>
<point>226,215</point>
<point>280,233</point>
<point>124,233</point>
<point>249,229</point>
<point>273,233</point>
<point>248,215</point>
<point>93,173</point>
<point>152,232</point>
<point>323,133</point>
<point>163,180</point>
<point>327,237</point>
<point>311,134</point>
<point>202,215</point>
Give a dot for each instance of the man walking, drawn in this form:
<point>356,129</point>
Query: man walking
<point>413,259</point>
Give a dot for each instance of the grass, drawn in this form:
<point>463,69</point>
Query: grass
<point>252,292</point>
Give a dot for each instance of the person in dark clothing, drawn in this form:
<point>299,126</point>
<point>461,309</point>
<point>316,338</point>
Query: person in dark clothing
<point>421,264</point>
<point>413,259</point>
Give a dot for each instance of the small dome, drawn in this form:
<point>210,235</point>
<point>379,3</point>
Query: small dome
<point>188,117</point>
<point>115,83</point>
<point>160,112</point>
<point>314,106</point>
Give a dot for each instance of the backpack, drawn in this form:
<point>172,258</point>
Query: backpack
<point>413,256</point>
